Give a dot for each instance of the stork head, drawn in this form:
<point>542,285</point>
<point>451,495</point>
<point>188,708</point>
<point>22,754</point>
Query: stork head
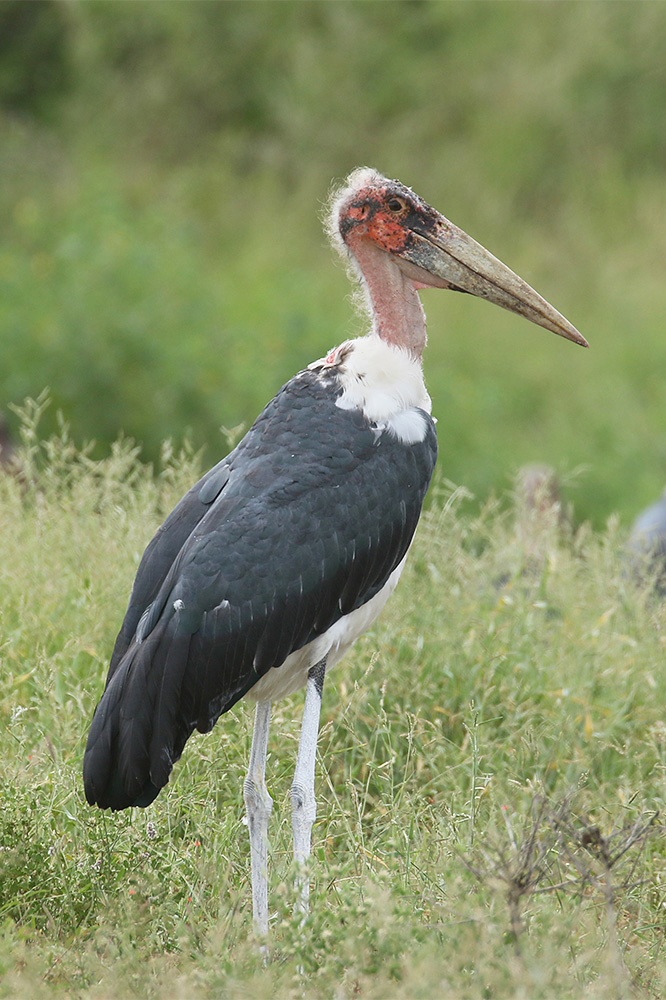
<point>374,219</point>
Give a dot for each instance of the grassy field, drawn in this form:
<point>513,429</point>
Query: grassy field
<point>490,779</point>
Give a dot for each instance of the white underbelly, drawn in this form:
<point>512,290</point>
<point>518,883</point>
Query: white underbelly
<point>332,644</point>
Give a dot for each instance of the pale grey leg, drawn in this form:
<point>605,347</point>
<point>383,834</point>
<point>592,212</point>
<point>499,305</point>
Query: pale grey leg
<point>258,805</point>
<point>303,804</point>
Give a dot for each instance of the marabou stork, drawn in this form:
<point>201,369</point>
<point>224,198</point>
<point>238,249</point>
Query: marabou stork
<point>646,546</point>
<point>285,552</point>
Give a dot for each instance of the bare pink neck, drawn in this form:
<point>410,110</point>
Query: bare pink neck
<point>398,316</point>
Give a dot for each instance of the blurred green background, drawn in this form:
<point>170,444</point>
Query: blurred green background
<point>162,170</point>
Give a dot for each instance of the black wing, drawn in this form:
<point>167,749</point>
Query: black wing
<point>308,517</point>
<point>162,551</point>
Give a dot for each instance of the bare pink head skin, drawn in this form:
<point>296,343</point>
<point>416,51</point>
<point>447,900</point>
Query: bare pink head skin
<point>398,244</point>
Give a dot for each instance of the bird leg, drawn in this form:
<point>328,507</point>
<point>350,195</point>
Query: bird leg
<point>303,804</point>
<point>258,805</point>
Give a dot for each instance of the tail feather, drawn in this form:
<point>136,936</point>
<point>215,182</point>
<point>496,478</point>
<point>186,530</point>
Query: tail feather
<point>102,738</point>
<point>168,720</point>
<point>135,736</point>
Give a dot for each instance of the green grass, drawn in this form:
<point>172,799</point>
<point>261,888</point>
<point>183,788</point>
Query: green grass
<point>471,744</point>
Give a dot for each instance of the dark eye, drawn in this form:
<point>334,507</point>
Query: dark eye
<point>395,205</point>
